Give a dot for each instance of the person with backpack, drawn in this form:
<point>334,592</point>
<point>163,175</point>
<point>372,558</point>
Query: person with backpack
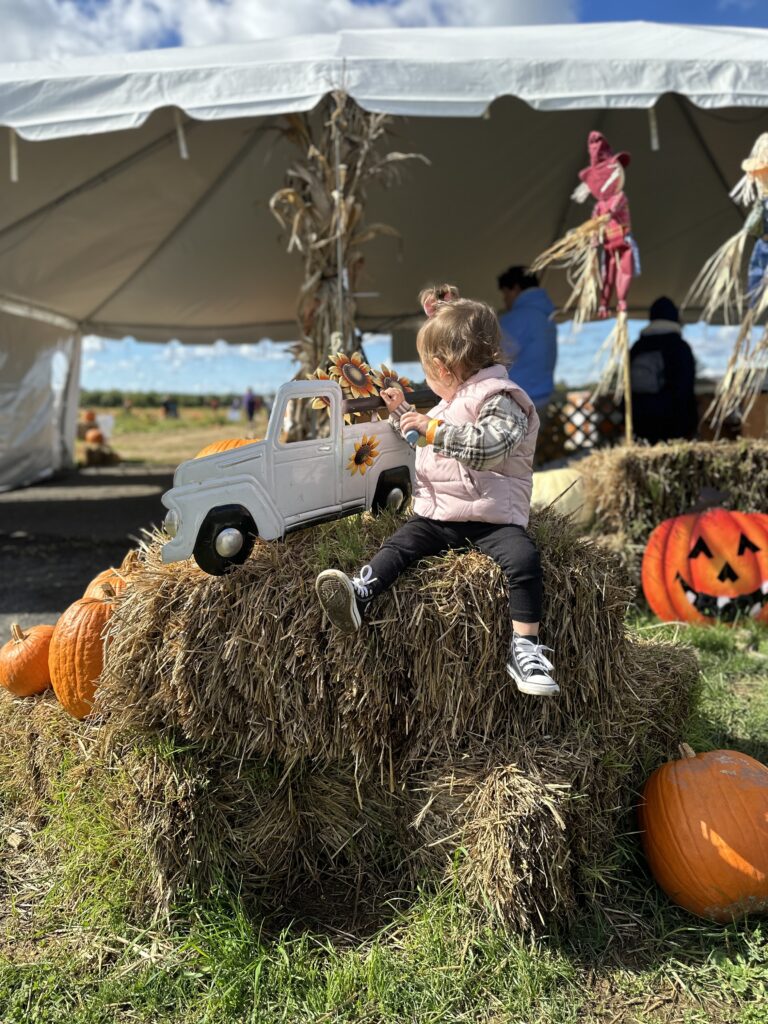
<point>663,374</point>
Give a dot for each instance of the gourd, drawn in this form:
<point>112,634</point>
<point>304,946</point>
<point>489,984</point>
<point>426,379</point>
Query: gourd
<point>76,655</point>
<point>225,446</point>
<point>24,660</point>
<point>117,578</point>
<point>704,822</point>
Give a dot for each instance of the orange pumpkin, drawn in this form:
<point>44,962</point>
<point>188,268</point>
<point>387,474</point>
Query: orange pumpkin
<point>89,416</point>
<point>24,660</point>
<point>704,822</point>
<point>708,566</point>
<point>94,436</point>
<point>117,578</point>
<point>224,446</point>
<point>76,656</point>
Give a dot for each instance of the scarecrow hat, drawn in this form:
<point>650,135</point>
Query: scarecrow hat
<point>602,162</point>
<point>758,158</point>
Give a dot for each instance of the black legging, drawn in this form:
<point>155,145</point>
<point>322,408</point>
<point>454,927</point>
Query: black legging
<point>509,546</point>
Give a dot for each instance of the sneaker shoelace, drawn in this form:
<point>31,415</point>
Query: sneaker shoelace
<point>530,656</point>
<point>363,583</point>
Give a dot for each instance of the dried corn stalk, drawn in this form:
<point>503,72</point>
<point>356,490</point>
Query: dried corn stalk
<point>322,207</point>
<point>578,253</point>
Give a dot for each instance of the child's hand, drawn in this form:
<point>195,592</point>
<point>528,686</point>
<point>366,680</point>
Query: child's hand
<point>414,421</point>
<point>391,397</point>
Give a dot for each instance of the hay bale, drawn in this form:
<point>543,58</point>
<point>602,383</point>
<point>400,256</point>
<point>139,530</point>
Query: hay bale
<point>186,822</point>
<point>524,831</point>
<point>248,746</point>
<point>635,488</point>
<point>246,665</point>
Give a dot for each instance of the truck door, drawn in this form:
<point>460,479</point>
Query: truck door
<point>305,482</point>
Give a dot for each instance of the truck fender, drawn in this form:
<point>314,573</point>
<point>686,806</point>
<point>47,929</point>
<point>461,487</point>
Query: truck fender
<point>243,491</point>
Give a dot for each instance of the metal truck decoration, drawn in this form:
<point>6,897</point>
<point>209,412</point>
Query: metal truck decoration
<point>221,503</point>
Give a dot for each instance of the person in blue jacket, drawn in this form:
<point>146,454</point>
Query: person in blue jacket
<point>529,335</point>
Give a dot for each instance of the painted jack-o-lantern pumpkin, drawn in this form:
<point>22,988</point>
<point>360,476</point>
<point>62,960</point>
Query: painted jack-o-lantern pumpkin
<point>708,566</point>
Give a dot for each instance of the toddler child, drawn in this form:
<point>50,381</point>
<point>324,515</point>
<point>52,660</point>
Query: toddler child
<point>473,479</point>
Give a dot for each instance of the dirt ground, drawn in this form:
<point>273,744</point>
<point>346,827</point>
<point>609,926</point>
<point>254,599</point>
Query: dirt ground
<point>55,536</point>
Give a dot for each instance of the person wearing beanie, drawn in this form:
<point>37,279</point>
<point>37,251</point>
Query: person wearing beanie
<point>663,376</point>
<point>529,335</point>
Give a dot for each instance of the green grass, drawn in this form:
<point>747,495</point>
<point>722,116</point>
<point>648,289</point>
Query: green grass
<point>72,954</point>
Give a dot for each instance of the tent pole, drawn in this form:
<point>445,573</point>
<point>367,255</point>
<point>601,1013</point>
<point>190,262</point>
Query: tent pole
<point>628,425</point>
<point>14,153</point>
<point>339,240</point>
<point>653,125</point>
<point>180,135</point>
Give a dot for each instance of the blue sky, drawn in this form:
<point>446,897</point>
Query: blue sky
<point>748,13</point>
<point>221,368</point>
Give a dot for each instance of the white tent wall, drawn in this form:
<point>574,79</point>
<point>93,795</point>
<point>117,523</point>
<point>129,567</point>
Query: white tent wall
<point>39,385</point>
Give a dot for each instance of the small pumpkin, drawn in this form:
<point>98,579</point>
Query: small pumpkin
<point>117,578</point>
<point>708,566</point>
<point>89,416</point>
<point>94,436</point>
<point>24,660</point>
<point>704,829</point>
<point>225,446</point>
<point>76,655</point>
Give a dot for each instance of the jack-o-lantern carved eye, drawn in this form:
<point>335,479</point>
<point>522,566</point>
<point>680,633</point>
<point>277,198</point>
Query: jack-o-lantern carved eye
<point>700,548</point>
<point>727,573</point>
<point>745,544</point>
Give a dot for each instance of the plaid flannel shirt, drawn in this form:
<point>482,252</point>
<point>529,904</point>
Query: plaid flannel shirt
<point>500,427</point>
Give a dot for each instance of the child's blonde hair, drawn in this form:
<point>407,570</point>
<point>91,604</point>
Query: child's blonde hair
<point>462,333</point>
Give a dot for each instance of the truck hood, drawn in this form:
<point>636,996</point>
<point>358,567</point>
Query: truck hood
<point>197,471</point>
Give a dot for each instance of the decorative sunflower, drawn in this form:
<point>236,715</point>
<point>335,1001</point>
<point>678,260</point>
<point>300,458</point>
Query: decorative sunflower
<point>364,456</point>
<point>319,402</point>
<point>353,374</point>
<point>386,378</point>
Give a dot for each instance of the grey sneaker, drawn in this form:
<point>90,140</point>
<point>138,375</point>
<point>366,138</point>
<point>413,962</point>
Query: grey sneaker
<point>529,668</point>
<point>344,599</point>
<point>339,600</point>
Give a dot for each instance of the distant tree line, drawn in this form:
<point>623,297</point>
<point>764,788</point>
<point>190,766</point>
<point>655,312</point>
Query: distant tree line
<point>113,399</point>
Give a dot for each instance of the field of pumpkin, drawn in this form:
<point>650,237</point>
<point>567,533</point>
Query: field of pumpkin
<point>212,814</point>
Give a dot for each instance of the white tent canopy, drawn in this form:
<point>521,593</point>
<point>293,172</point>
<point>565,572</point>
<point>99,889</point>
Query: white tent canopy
<point>108,230</point>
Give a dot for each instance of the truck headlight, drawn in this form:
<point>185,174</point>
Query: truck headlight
<point>172,522</point>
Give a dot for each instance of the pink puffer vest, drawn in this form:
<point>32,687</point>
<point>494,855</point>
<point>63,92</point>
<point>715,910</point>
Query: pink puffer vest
<point>449,491</point>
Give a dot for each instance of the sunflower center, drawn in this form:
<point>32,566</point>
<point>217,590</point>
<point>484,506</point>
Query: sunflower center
<point>362,453</point>
<point>354,374</point>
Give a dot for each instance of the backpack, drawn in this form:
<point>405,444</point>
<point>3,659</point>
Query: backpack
<point>647,373</point>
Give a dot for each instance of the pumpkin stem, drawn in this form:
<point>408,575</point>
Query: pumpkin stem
<point>17,633</point>
<point>686,751</point>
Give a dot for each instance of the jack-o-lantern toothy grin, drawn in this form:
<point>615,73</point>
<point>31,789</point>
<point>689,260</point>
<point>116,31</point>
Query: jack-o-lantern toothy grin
<point>709,566</point>
<point>726,609</point>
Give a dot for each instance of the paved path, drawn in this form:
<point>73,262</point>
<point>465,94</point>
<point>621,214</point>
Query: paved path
<point>55,536</point>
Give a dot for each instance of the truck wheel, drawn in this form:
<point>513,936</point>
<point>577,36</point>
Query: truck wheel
<point>393,489</point>
<point>226,538</point>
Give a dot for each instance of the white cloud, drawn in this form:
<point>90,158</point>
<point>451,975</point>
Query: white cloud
<point>34,29</point>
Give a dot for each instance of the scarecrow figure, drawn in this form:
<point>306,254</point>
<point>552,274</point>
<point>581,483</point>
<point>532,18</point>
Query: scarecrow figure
<point>720,287</point>
<point>604,181</point>
<point>756,185</point>
<point>600,256</point>
<point>600,259</point>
